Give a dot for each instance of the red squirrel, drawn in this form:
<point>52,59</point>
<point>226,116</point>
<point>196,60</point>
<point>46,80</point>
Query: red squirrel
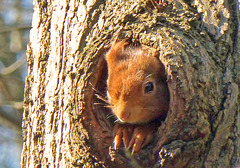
<point>137,93</point>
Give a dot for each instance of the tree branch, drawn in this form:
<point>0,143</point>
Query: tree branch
<point>5,29</point>
<point>14,66</point>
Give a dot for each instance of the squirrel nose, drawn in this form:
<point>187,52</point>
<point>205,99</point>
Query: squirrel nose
<point>124,116</point>
<point>122,113</point>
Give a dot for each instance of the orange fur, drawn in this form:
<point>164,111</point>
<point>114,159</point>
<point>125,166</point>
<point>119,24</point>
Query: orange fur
<point>129,70</point>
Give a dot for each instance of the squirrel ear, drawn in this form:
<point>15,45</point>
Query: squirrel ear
<point>116,52</point>
<point>151,51</point>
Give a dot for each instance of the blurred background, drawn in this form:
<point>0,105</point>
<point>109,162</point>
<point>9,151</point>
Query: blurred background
<point>15,24</point>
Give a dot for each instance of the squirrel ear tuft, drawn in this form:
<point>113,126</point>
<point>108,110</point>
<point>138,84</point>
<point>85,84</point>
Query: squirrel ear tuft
<point>116,52</point>
<point>151,51</point>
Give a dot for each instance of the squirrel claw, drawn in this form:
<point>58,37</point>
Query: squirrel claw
<point>134,137</point>
<point>122,132</point>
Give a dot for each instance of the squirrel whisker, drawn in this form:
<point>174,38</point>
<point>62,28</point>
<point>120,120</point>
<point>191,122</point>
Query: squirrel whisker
<point>110,115</point>
<point>99,92</point>
<point>102,98</point>
<point>108,106</point>
<point>97,103</point>
<point>117,120</point>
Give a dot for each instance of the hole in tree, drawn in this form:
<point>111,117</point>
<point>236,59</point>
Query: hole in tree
<point>104,115</point>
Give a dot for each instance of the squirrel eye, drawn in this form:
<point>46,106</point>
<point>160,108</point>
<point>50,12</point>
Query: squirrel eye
<point>149,87</point>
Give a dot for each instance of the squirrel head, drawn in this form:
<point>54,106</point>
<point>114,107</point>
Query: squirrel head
<point>136,87</point>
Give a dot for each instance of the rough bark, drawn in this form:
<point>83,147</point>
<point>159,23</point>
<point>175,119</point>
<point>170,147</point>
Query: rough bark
<point>198,44</point>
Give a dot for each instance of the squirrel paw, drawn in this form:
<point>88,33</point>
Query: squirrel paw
<point>134,137</point>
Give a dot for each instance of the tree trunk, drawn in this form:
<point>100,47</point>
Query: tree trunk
<point>63,125</point>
